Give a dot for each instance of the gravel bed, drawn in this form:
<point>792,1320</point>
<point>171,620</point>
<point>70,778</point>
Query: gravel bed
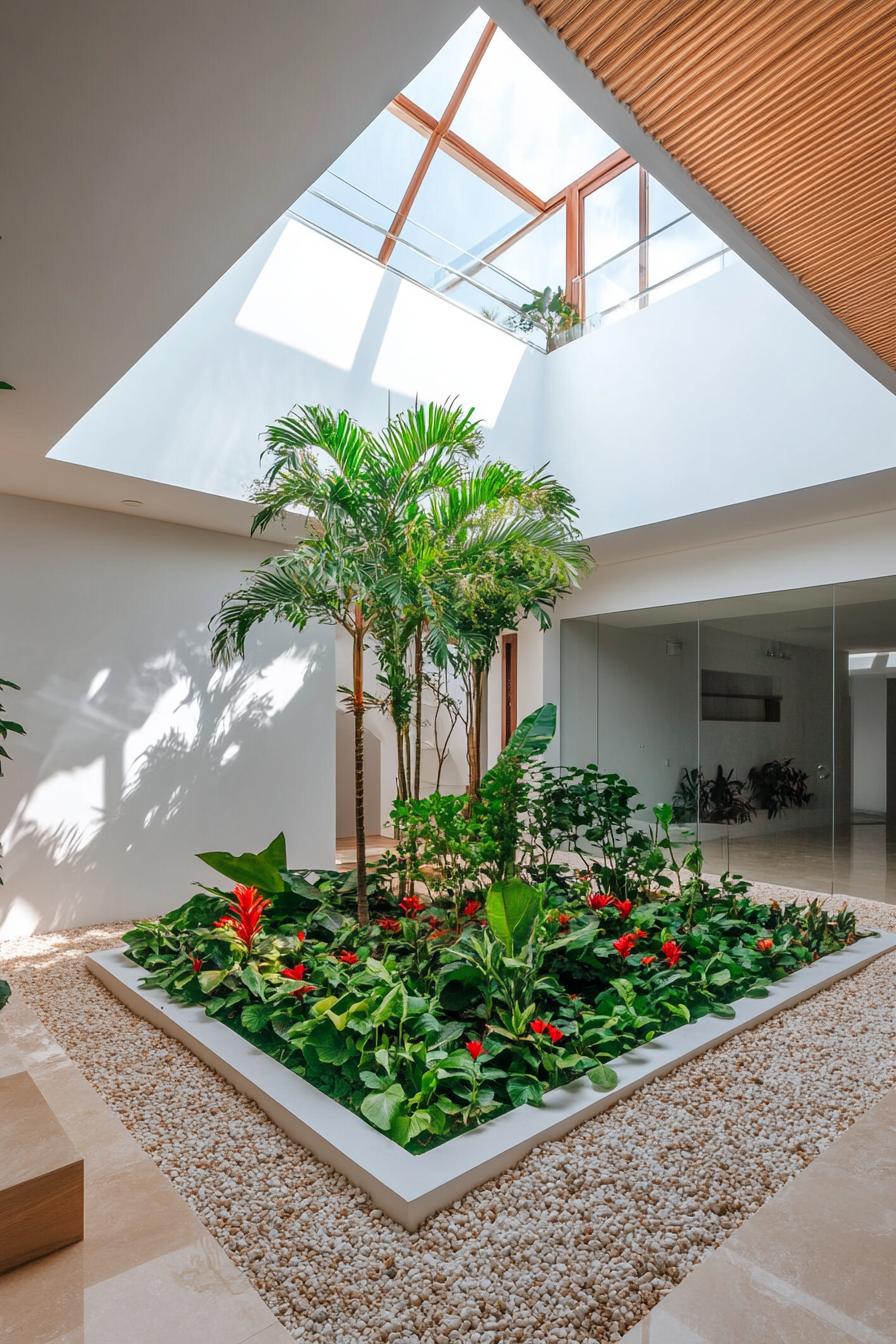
<point>575,1244</point>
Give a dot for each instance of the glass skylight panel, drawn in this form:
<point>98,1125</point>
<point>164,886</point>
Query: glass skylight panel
<point>518,117</point>
<point>611,218</point>
<point>458,216</point>
<point>437,81</point>
<point>538,259</point>
<point>664,207</point>
<point>368,179</point>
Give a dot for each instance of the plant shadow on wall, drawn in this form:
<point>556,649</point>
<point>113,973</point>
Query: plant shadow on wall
<point>124,761</point>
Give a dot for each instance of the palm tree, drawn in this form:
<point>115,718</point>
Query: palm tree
<point>360,492</point>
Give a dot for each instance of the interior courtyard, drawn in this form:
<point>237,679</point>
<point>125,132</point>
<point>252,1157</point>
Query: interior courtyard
<point>458,442</point>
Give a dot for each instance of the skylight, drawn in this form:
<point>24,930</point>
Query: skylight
<point>484,181</point>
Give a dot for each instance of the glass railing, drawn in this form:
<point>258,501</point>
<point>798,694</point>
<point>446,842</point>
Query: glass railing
<point>358,220</point>
<point>668,260</point>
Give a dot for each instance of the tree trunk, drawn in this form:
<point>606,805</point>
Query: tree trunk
<point>474,731</point>
<point>418,693</point>
<point>402,776</point>
<point>358,710</point>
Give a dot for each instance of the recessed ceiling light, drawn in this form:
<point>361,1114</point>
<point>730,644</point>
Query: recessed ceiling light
<point>132,503</point>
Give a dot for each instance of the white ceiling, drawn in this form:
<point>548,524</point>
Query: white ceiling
<point>145,147</point>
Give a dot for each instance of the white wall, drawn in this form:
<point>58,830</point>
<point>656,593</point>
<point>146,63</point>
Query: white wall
<point>300,318</point>
<point>138,753</point>
<point>868,696</point>
<point>719,394</point>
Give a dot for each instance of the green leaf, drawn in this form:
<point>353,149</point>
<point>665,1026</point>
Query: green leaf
<point>389,1007</point>
<point>254,870</point>
<point>534,734</point>
<point>255,1017</point>
<point>524,1090</point>
<point>252,980</point>
<point>512,909</point>
<point>721,977</point>
<point>723,1010</point>
<point>381,1108</point>
<point>322,1006</point>
<point>603,1077</point>
<point>678,1010</point>
<point>210,980</point>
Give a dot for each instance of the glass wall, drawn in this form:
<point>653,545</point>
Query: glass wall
<point>768,721</point>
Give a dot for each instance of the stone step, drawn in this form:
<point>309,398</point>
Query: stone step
<point>41,1174</point>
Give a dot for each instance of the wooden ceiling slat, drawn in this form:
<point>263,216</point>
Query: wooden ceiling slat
<point>740,78</point>
<point>791,117</point>
<point>784,110</point>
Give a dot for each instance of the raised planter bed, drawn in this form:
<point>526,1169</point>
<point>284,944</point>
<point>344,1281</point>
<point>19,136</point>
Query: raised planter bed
<point>410,1188</point>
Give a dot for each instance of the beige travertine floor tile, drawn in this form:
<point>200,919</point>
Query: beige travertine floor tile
<point>191,1293</point>
<point>813,1266</point>
<point>274,1334</point>
<point>147,1270</point>
<point>724,1302</point>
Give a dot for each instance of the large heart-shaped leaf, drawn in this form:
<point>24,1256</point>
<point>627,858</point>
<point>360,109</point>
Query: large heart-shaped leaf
<point>381,1108</point>
<point>511,908</point>
<point>260,870</point>
<point>604,1077</point>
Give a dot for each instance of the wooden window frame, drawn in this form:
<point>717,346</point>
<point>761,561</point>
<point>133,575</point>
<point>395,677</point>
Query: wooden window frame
<point>571,199</point>
<point>509,708</point>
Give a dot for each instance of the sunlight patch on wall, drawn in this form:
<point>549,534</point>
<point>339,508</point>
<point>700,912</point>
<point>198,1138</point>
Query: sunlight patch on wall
<point>172,725</point>
<point>261,695</point>
<point>20,920</point>
<point>433,350</point>
<point>65,810</point>
<point>313,295</point>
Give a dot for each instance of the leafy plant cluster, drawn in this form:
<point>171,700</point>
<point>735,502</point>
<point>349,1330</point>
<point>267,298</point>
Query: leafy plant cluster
<point>517,941</point>
<point>772,788</point>
<point>420,552</point>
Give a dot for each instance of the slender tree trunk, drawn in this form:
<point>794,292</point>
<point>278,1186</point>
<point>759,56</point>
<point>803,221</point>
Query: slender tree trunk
<point>418,692</point>
<point>474,731</point>
<point>358,710</point>
<point>402,776</point>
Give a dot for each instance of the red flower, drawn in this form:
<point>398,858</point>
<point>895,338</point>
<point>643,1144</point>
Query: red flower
<point>246,910</point>
<point>624,907</point>
<point>294,972</point>
<point>471,908</point>
<point>476,1049</point>
<point>197,964</point>
<point>555,1034</point>
<point>563,921</point>
<point>764,944</point>
<point>598,899</point>
<point>538,1026</point>
<point>300,936</point>
<point>433,921</point>
<point>647,961</point>
<point>438,933</point>
<point>411,905</point>
<point>639,933</point>
<point>390,925</point>
<point>303,990</point>
<point>625,944</point>
<point>672,952</point>
<point>349,958</point>
<point>226,921</point>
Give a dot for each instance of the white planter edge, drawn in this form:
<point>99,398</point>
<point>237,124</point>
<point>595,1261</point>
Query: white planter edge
<point>411,1188</point>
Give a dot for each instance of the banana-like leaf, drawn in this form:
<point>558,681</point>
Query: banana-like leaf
<point>512,908</point>
<point>534,734</point>
<point>254,870</point>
